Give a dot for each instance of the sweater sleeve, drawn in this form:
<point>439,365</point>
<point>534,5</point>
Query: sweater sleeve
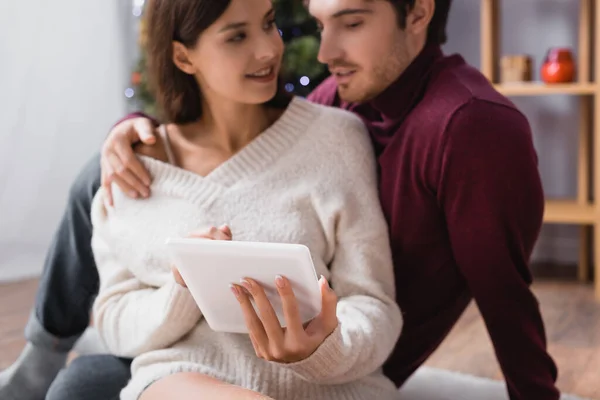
<point>491,193</point>
<point>369,319</point>
<point>121,308</point>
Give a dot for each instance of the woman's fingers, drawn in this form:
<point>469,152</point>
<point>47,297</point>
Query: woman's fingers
<point>255,345</point>
<point>289,303</point>
<point>253,322</point>
<point>226,230</point>
<point>213,233</point>
<point>268,316</point>
<point>271,341</point>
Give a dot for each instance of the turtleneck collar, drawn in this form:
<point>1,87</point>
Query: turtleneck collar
<point>395,101</point>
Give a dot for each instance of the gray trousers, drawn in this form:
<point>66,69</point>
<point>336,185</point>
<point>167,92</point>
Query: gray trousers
<point>97,377</point>
<point>66,292</point>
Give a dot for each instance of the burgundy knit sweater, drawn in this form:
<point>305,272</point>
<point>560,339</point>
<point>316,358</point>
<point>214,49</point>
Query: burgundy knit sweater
<point>462,194</point>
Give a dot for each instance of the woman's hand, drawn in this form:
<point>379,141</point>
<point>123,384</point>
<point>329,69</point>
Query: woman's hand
<point>295,342</point>
<point>212,233</point>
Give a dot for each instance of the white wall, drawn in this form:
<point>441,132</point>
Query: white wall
<point>63,69</point>
<point>531,27</point>
<point>64,65</point>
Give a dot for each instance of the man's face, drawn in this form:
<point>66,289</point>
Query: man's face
<point>362,45</point>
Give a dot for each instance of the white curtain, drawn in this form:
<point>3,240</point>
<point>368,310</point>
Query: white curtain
<point>64,66</point>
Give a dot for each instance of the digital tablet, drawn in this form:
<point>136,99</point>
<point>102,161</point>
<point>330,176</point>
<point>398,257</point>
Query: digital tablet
<point>208,267</point>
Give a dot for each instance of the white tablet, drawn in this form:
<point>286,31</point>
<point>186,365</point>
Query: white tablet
<point>210,266</point>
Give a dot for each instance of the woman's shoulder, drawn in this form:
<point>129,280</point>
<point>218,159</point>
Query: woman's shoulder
<point>332,114</point>
<point>338,127</point>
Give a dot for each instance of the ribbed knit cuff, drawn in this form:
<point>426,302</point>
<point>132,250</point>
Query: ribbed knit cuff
<point>324,363</point>
<point>180,305</point>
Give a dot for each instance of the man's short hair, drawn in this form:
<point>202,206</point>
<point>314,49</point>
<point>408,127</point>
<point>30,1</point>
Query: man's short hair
<point>436,32</point>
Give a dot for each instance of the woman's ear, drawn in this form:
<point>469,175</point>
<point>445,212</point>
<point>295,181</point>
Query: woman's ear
<point>181,58</point>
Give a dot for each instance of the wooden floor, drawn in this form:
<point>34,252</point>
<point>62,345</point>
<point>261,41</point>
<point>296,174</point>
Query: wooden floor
<point>571,314</point>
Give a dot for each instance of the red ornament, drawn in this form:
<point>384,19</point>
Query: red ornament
<point>136,78</point>
<point>559,66</point>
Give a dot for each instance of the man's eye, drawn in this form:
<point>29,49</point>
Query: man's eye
<point>354,25</point>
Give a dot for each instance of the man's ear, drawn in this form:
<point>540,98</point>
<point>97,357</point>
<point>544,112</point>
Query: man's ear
<point>181,58</point>
<point>418,19</point>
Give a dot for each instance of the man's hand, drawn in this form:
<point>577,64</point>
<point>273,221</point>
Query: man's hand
<point>212,233</point>
<point>296,342</point>
<point>119,163</point>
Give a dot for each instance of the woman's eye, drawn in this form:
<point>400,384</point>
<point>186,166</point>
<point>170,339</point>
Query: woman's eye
<point>238,38</point>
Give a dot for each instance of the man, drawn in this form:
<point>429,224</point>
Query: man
<point>459,186</point>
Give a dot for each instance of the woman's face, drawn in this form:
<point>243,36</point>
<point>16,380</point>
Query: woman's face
<point>239,56</point>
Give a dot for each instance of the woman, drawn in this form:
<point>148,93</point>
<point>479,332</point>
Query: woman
<point>240,155</point>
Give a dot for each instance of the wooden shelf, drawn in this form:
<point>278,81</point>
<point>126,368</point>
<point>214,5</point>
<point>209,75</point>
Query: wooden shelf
<point>569,212</point>
<point>542,89</point>
<point>579,210</point>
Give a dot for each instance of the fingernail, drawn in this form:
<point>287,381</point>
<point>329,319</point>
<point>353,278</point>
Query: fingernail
<point>325,282</point>
<point>133,194</point>
<point>246,284</point>
<point>225,229</point>
<point>234,290</point>
<point>280,282</point>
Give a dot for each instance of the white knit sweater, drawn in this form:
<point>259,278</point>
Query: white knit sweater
<point>311,179</point>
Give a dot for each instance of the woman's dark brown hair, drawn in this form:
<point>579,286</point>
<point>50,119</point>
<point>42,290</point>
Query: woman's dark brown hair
<point>177,93</point>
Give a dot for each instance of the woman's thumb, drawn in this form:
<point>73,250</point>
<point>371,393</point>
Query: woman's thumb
<point>226,230</point>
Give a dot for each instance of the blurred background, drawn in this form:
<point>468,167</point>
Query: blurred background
<point>70,69</point>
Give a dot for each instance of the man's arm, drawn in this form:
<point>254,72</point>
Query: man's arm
<point>138,114</point>
<point>118,161</point>
<point>491,192</point>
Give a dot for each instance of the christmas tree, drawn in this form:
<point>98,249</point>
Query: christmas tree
<point>301,71</point>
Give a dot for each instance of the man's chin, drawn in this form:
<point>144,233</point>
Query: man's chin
<point>352,96</point>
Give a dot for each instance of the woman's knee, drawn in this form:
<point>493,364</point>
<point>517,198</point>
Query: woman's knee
<point>193,386</point>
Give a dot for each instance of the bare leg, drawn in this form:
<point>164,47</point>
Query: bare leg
<point>193,386</point>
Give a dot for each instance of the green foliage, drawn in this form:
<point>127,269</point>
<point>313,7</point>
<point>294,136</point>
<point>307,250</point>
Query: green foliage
<point>143,98</point>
